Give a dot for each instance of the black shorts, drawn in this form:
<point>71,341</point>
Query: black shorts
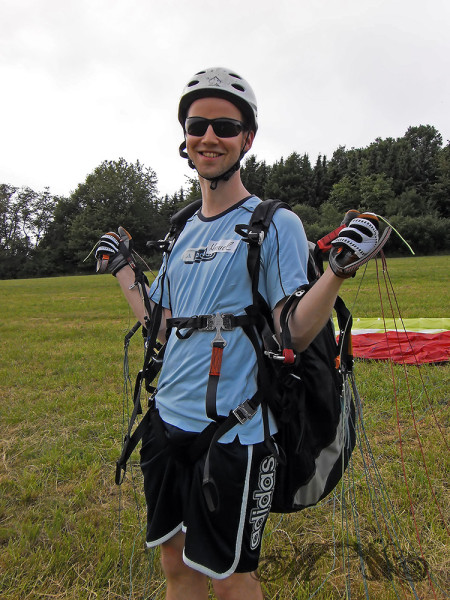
<point>217,543</point>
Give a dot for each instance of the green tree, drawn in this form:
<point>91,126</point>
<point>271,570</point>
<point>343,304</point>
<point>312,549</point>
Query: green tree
<point>424,142</point>
<point>439,192</point>
<point>291,180</point>
<point>338,166</point>
<point>254,176</point>
<point>53,255</point>
<point>345,194</point>
<point>368,192</point>
<point>170,205</point>
<point>115,194</point>
<point>13,244</point>
<point>319,222</point>
<point>408,204</point>
<point>25,216</point>
<point>375,193</point>
<point>308,214</point>
<point>193,192</point>
<point>321,181</point>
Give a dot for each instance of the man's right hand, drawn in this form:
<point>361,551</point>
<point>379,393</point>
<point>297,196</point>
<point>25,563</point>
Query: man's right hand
<point>114,252</point>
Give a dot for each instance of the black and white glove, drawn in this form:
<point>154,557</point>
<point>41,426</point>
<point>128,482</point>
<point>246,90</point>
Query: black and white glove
<point>114,252</point>
<point>357,244</point>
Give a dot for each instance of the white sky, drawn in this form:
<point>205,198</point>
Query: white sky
<point>83,81</point>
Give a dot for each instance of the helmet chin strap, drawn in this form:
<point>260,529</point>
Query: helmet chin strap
<point>224,176</point>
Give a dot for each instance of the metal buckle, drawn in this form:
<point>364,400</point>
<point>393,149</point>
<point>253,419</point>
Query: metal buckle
<point>218,322</point>
<point>274,355</point>
<point>244,412</point>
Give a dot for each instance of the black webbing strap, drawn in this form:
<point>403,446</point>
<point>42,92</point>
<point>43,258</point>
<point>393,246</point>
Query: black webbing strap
<point>344,319</point>
<point>152,359</point>
<point>152,419</point>
<point>215,368</point>
<point>254,234</point>
<point>130,440</point>
<point>205,323</point>
<point>185,327</point>
<point>239,415</point>
<point>345,323</point>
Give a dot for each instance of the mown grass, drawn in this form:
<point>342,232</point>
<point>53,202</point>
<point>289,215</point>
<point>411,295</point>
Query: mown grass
<point>68,532</point>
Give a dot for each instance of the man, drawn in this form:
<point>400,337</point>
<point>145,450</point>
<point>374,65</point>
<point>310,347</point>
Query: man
<point>206,274</point>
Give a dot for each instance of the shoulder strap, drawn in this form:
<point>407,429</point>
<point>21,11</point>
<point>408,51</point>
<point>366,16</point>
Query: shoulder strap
<point>254,234</point>
<point>154,352</point>
<point>177,223</point>
<point>179,218</point>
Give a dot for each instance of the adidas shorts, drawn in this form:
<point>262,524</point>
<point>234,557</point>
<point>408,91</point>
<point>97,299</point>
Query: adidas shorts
<point>217,543</point>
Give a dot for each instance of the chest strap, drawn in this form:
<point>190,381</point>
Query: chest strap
<point>185,327</point>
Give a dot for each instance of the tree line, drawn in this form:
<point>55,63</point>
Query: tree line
<point>405,180</point>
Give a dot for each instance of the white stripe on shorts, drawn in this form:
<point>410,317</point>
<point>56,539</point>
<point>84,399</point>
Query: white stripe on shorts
<point>237,552</point>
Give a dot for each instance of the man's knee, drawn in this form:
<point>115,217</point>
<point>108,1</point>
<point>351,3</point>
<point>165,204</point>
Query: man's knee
<point>172,561</point>
<point>172,555</point>
<point>238,586</point>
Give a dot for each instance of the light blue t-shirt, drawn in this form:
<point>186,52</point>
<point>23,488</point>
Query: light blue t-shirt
<point>207,274</point>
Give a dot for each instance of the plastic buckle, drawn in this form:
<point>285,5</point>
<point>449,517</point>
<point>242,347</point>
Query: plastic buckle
<point>244,412</point>
<point>256,236</point>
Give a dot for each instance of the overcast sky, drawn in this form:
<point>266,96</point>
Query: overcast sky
<point>83,81</point>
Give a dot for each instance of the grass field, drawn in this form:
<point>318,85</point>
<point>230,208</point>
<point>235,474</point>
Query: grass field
<point>68,532</point>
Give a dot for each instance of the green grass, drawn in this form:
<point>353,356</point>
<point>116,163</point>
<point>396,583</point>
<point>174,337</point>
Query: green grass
<point>61,419</point>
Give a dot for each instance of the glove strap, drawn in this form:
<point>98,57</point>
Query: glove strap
<point>350,270</point>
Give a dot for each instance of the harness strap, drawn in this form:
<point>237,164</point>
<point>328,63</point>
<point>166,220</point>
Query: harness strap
<point>213,379</point>
<point>223,321</point>
<point>130,443</point>
<point>239,415</point>
<point>185,327</point>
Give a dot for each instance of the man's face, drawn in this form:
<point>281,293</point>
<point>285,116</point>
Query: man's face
<point>213,155</point>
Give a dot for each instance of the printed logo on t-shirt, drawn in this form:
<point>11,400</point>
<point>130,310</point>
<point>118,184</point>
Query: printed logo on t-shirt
<point>196,255</point>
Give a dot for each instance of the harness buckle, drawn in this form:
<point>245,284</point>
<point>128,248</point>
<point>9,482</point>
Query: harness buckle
<point>218,322</point>
<point>274,355</point>
<point>256,237</point>
<point>244,412</point>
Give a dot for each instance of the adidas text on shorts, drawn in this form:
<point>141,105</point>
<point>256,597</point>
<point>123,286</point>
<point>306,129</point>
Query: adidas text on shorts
<point>217,543</point>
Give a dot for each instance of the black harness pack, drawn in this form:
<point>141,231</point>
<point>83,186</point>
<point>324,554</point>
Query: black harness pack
<point>307,392</point>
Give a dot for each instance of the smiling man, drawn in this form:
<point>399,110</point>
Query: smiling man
<point>210,368</point>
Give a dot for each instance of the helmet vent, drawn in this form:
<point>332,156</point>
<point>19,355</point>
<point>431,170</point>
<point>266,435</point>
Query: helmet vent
<point>218,82</point>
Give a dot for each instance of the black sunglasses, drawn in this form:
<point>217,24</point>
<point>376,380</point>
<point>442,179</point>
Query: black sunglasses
<point>223,127</point>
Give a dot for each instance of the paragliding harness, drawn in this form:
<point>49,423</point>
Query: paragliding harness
<point>307,392</point>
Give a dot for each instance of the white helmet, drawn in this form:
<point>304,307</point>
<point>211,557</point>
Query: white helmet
<point>220,83</point>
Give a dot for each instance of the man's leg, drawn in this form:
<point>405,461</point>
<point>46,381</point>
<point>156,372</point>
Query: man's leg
<point>237,587</point>
<point>183,583</point>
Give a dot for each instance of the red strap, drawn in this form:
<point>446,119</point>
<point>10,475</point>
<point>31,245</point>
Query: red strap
<point>325,242</point>
<point>216,361</point>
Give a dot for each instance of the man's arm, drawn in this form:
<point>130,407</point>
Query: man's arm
<point>126,277</point>
<point>114,256</point>
<point>312,313</point>
<point>132,294</point>
<point>356,244</point>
